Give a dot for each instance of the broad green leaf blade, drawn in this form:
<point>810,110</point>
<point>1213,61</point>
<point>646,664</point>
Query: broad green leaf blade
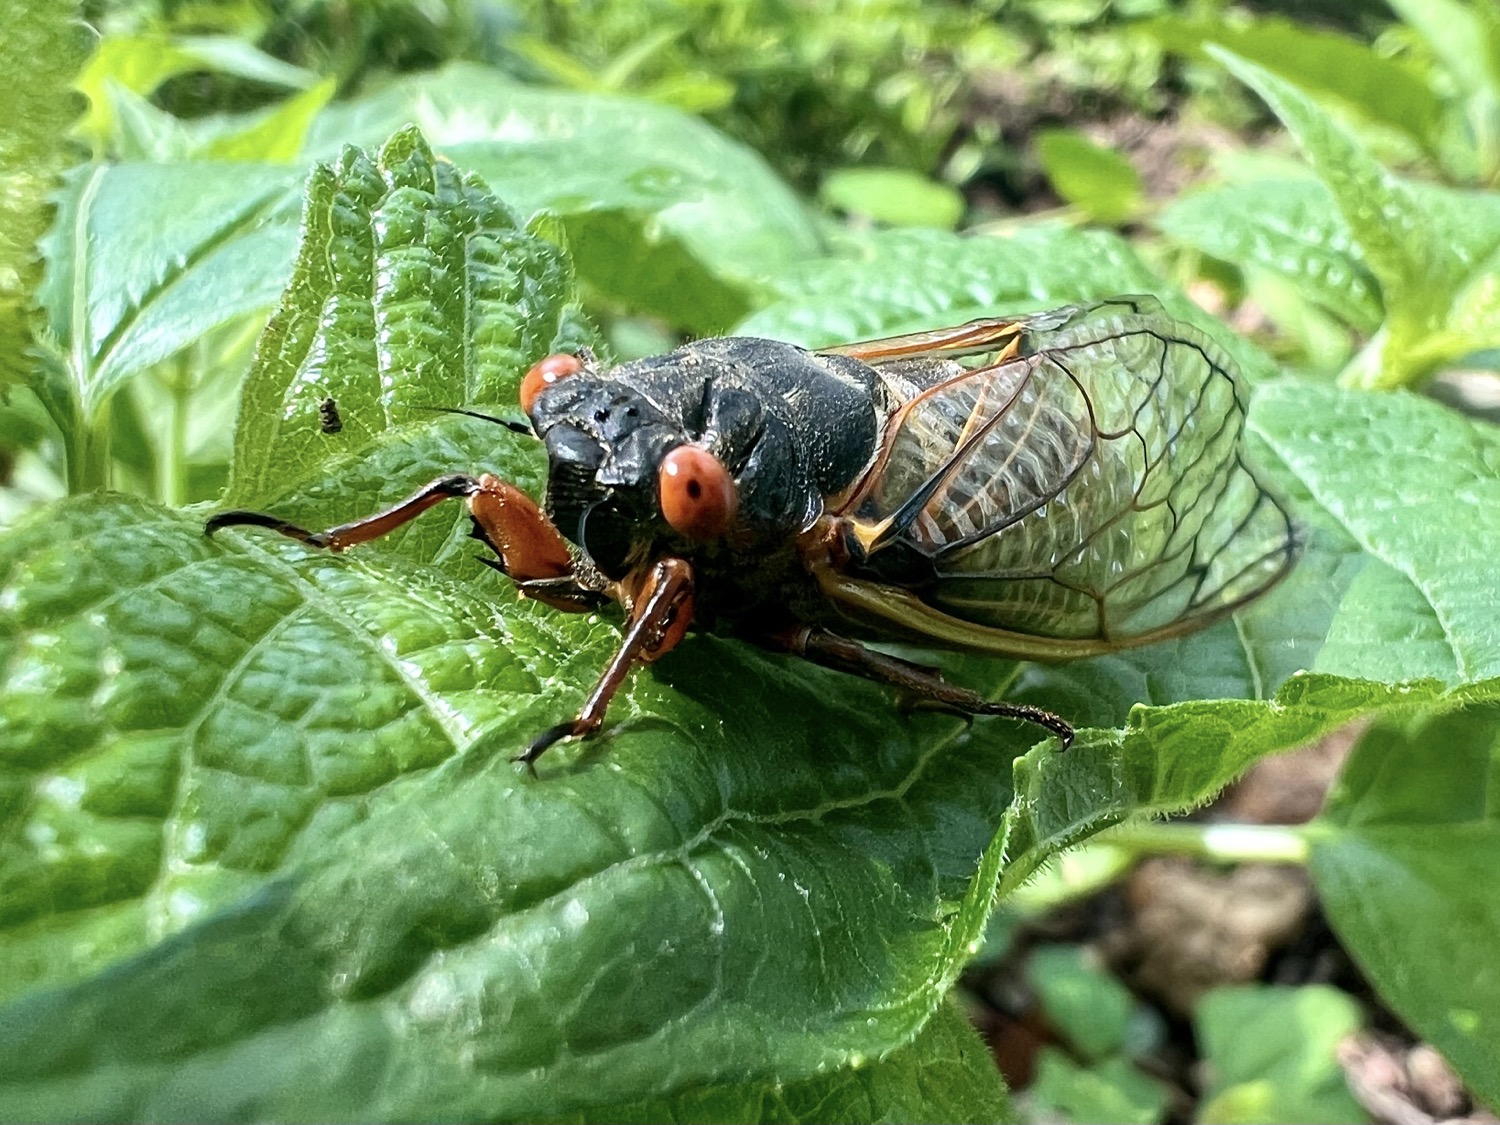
<point>1272,1055</point>
<point>414,290</point>
<point>141,63</point>
<point>248,746</point>
<point>663,213</point>
<point>1419,270</point>
<point>945,1075</point>
<point>1420,602</point>
<point>145,258</point>
<point>1097,180</point>
<point>896,196</point>
<point>1083,1001</point>
<point>1167,753</point>
<point>1379,89</point>
<point>1395,583</point>
<point>1288,227</point>
<point>1404,857</point>
<point>1113,1090</point>
<point>907,280</point>
<point>895,280</point>
<point>42,46</point>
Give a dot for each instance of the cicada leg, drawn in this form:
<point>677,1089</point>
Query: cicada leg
<point>661,609</point>
<point>827,648</point>
<point>531,550</point>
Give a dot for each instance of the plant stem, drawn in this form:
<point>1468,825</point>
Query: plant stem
<point>173,465</point>
<point>1221,843</point>
<point>88,452</point>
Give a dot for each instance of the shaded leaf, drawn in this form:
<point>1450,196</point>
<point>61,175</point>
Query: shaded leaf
<point>1401,855</point>
<point>1111,1091</point>
<point>1082,1000</point>
<point>945,1075</point>
<point>1271,1055</point>
<point>144,259</point>
<point>895,196</point>
<point>890,281</point>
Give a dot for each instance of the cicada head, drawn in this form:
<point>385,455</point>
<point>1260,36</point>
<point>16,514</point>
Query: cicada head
<point>622,474</point>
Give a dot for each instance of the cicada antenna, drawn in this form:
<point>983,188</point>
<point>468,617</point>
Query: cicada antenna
<point>513,427</point>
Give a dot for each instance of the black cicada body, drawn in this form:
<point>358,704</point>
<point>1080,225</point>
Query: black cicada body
<point>1044,487</point>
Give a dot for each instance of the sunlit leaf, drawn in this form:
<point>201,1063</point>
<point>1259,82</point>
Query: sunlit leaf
<point>1098,181</point>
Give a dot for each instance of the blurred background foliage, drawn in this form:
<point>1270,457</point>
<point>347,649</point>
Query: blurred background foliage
<point>876,114</point>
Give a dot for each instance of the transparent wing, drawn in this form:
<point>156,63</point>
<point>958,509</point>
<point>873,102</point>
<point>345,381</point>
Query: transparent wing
<point>1082,479</point>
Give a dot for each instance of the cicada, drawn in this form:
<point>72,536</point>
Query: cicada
<point>1041,487</point>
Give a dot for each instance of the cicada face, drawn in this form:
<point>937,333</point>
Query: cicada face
<point>605,442</point>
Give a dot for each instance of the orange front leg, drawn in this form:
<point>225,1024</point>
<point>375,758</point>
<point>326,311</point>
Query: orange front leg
<point>530,548</point>
<point>661,610</point>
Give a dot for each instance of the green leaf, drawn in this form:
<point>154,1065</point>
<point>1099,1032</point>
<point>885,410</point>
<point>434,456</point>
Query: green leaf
<point>1420,272</point>
<point>1403,856</point>
<point>891,281</point>
<point>141,63</point>
<point>414,289</point>
<point>1112,1091</point>
<point>1382,90</point>
<point>1380,595</point>
<point>144,259</point>
<point>1457,34</point>
<point>1288,227</point>
<point>663,214</point>
<point>246,746</point>
<point>145,133</point>
<point>895,196</point>
<point>42,47</point>
<point>1083,1001</point>
<point>1407,556</point>
<point>945,1075</point>
<point>1098,181</point>
<point>1272,1055</point>
<point>904,280</point>
<point>275,137</point>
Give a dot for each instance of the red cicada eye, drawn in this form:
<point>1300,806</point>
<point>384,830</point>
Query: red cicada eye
<point>544,373</point>
<point>698,496</point>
